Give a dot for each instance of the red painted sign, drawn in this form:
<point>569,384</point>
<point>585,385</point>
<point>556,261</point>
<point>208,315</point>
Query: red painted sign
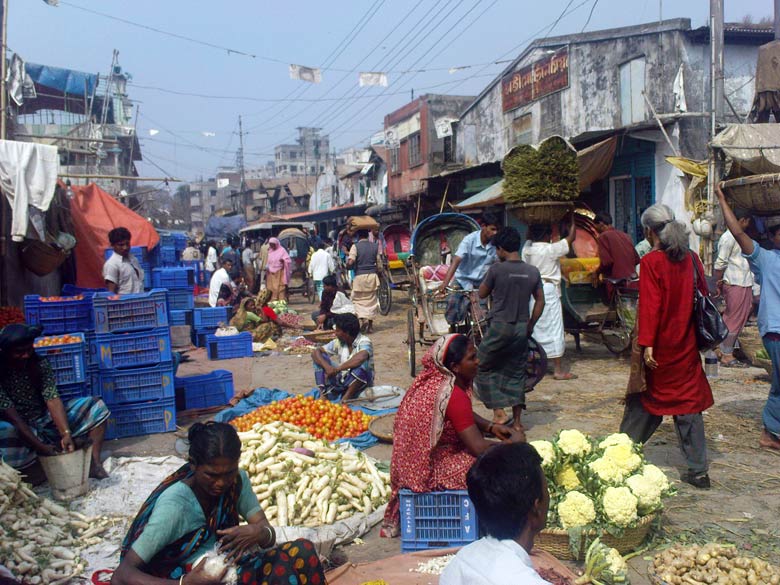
<point>537,80</point>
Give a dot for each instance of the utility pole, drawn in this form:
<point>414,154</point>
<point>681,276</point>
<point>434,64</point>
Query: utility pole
<point>777,20</point>
<point>240,161</point>
<point>3,87</point>
<point>716,110</point>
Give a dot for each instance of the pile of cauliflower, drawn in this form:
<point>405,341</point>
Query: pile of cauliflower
<point>603,484</point>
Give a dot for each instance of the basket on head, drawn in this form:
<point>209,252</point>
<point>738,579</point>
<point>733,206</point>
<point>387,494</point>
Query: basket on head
<point>540,212</point>
<point>759,194</point>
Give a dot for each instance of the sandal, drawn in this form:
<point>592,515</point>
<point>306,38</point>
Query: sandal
<point>566,376</point>
<point>735,363</point>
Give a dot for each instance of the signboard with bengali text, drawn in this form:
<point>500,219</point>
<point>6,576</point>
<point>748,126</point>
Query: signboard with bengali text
<point>545,76</point>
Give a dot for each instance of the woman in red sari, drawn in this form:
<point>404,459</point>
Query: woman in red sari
<point>436,435</point>
<point>676,384</point>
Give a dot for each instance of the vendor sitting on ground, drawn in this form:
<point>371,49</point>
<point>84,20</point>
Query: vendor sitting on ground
<point>345,366</point>
<point>122,272</point>
<point>333,302</point>
<point>198,507</point>
<point>33,418</point>
<point>264,324</point>
<point>436,434</point>
<point>509,492</point>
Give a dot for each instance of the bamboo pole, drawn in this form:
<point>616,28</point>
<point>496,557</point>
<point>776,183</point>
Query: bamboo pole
<point>121,177</point>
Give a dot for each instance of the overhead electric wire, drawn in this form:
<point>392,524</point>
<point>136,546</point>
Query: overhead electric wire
<point>590,15</point>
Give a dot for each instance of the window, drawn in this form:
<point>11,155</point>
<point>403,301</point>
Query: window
<point>213,192</point>
<point>293,168</point>
<point>415,156</point>
<point>449,151</point>
<point>293,155</point>
<point>632,88</point>
<point>522,132</point>
<point>313,170</point>
<point>394,167</point>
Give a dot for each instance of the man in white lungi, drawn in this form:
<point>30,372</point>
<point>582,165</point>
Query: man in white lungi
<point>541,252</point>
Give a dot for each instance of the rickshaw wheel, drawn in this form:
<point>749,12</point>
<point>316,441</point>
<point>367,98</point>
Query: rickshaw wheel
<point>385,294</point>
<point>616,339</point>
<point>411,348</point>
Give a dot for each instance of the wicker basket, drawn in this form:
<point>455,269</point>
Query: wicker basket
<point>41,258</point>
<point>556,540</point>
<point>382,427</point>
<point>757,193</point>
<point>540,212</point>
<point>750,344</point>
<point>762,363</point>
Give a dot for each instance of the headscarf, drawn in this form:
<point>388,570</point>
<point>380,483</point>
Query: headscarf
<point>279,259</point>
<point>430,392</point>
<point>263,297</point>
<point>17,334</point>
<point>239,319</point>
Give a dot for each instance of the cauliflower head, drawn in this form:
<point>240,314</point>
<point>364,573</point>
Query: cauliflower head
<point>647,492</point>
<point>546,452</point>
<point>620,506</point>
<point>567,478</point>
<point>606,470</point>
<point>576,509</point>
<point>624,457</point>
<point>657,476</point>
<point>615,439</point>
<point>573,443</point>
<point>617,563</point>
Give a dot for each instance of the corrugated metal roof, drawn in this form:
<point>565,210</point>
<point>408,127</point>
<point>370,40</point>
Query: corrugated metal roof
<point>493,195</point>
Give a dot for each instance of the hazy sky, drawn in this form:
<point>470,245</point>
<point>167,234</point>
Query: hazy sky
<point>341,36</point>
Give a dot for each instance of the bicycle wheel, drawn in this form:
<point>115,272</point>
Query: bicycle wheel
<point>616,338</point>
<point>411,349</point>
<point>385,294</point>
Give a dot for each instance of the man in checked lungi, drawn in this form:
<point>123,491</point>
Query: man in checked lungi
<point>503,353</point>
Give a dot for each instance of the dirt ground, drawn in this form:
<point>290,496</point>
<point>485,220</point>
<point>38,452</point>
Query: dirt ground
<point>743,506</point>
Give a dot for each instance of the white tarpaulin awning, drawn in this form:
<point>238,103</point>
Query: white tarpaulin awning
<point>753,147</point>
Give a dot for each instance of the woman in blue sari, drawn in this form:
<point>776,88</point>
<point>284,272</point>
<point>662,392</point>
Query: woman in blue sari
<point>198,507</point>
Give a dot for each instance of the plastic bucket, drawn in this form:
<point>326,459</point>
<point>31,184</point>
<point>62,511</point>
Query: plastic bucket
<point>68,473</point>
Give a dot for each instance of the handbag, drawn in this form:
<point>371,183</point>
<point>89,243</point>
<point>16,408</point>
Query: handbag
<point>708,324</point>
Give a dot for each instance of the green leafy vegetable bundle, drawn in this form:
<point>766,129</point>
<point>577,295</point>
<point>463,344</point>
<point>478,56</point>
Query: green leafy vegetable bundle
<point>549,173</point>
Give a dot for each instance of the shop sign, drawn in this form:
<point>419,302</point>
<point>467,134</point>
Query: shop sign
<point>537,80</point>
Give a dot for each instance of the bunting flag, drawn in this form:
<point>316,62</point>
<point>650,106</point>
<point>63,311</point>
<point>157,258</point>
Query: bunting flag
<point>308,74</point>
<point>153,132</point>
<point>52,2</point>
<point>373,78</point>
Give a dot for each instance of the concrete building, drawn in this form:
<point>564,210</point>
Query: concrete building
<point>624,84</point>
<point>419,143</point>
<point>308,157</point>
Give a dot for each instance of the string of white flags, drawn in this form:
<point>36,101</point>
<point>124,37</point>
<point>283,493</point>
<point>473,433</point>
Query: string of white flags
<point>314,75</point>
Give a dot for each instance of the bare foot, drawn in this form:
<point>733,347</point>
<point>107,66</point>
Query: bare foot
<point>769,441</point>
<point>500,417</point>
<point>97,471</point>
<point>565,376</point>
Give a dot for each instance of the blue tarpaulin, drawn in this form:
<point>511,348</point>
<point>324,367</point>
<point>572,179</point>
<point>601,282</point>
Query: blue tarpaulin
<point>62,80</point>
<point>262,396</point>
<point>219,227</point>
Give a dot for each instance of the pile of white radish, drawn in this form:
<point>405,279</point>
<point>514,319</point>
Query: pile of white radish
<point>303,481</point>
<point>38,537</point>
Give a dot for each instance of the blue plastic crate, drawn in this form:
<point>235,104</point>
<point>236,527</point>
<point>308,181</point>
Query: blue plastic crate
<point>437,520</point>
<point>132,349</point>
<point>68,360</point>
<point>167,256</point>
<point>137,385</point>
<point>210,317</point>
<point>147,268</point>
<point>140,252</point>
<point>72,391</point>
<point>173,277</point>
<point>200,336</point>
<point>114,313</point>
<point>180,318</point>
<point>181,299</point>
<point>71,290</point>
<point>67,315</point>
<point>131,420</point>
<point>199,266</point>
<point>204,391</point>
<point>229,346</point>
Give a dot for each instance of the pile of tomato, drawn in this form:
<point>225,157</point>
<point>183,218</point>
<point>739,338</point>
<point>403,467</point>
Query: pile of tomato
<point>58,299</point>
<point>10,315</point>
<point>320,418</point>
<point>56,340</point>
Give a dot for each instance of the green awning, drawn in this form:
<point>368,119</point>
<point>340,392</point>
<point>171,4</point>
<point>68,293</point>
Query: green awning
<point>485,198</point>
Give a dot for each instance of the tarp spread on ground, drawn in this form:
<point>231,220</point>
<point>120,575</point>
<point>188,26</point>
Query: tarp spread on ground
<point>219,227</point>
<point>754,149</point>
<point>95,213</point>
<point>402,569</point>
<point>263,396</point>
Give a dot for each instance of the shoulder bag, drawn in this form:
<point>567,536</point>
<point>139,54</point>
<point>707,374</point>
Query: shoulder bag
<point>708,324</point>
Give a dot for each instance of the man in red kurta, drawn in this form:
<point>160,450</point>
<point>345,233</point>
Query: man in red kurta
<point>617,256</point>
<point>676,384</point>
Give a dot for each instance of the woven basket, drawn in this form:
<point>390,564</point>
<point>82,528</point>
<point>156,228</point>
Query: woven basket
<point>556,540</point>
<point>757,193</point>
<point>382,427</point>
<point>750,344</point>
<point>41,258</point>
<point>540,212</point>
<point>762,363</point>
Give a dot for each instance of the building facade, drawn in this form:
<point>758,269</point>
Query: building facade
<point>308,157</point>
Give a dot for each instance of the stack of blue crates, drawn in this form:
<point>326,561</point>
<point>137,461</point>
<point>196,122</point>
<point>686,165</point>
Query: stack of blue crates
<point>131,349</point>
<point>205,322</point>
<point>204,391</point>
<point>170,248</point>
<point>179,282</point>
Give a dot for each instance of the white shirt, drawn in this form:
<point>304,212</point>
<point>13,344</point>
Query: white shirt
<point>125,273</point>
<point>732,262</point>
<point>211,259</point>
<point>546,257</point>
<point>247,256</point>
<point>342,304</point>
<point>219,278</point>
<point>491,562</point>
<point>320,265</point>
